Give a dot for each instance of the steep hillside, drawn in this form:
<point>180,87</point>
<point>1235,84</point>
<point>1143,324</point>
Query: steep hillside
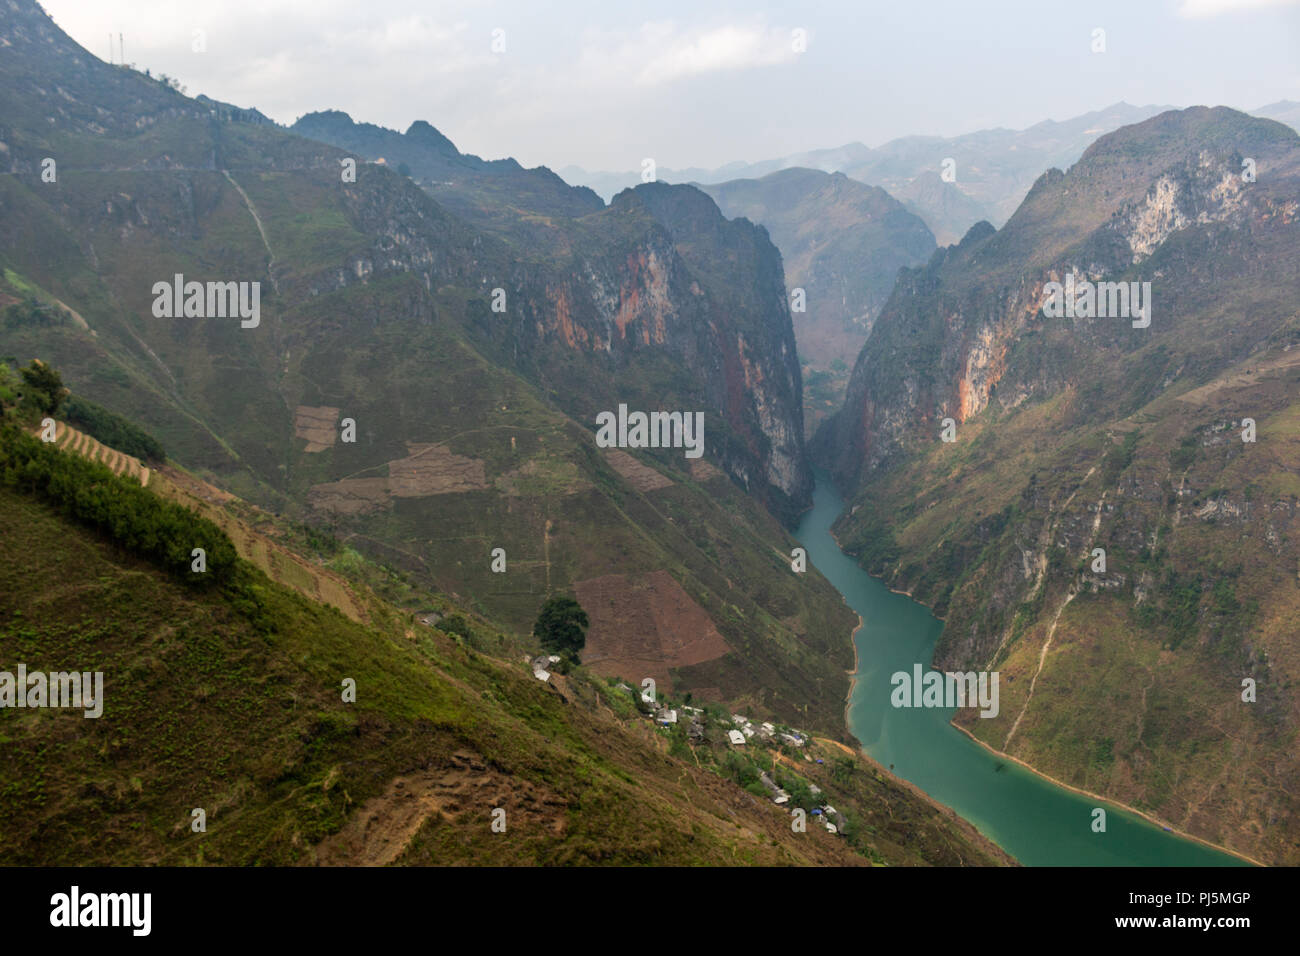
<point>1119,433</point>
<point>663,301</point>
<point>377,392</point>
<point>842,242</point>
<point>227,694</point>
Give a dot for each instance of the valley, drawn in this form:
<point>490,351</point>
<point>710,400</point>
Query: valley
<point>1037,820</point>
<point>1119,439</point>
<point>942,494</point>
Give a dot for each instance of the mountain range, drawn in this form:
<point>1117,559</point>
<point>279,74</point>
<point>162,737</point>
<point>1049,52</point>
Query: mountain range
<point>1054,379</point>
<point>473,427</point>
<point>992,169</point>
<point>1101,503</point>
<point>391,461</point>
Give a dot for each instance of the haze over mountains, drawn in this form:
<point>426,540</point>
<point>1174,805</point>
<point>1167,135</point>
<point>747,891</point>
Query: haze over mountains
<point>842,244</point>
<point>993,172</point>
<point>396,459</point>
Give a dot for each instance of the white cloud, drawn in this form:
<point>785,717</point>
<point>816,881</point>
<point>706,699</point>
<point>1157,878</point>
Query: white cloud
<point>724,48</point>
<point>662,52</point>
<point>1204,9</point>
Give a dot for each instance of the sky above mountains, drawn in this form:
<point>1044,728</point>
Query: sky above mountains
<point>606,85</point>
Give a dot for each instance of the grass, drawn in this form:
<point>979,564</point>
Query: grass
<point>204,709</point>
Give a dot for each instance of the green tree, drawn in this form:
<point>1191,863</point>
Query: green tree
<point>45,389</point>
<point>9,391</point>
<point>561,627</point>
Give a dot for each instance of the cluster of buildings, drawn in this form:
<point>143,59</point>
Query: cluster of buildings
<point>743,732</point>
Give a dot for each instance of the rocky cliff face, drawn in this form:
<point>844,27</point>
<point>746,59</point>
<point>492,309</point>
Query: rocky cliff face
<point>842,243</point>
<point>662,303</point>
<point>657,302</point>
<point>669,306</point>
<point>745,348</point>
<point>943,346</point>
<point>1112,525</point>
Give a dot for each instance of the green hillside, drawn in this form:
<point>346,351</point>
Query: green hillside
<point>226,694</point>
<point>474,429</point>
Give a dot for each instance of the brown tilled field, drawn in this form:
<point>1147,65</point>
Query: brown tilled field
<point>641,477</point>
<point>316,426</point>
<point>426,470</point>
<point>644,625</point>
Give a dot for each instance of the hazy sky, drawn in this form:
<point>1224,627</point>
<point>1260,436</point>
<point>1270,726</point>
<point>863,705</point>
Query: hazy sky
<point>602,84</point>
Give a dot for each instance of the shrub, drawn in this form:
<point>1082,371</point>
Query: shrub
<point>113,430</point>
<point>137,519</point>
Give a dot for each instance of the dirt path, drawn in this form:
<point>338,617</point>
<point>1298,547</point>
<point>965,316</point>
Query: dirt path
<point>546,552</point>
<point>270,265</point>
<point>76,316</point>
<point>1042,659</point>
<point>1044,542</point>
<point>1047,643</point>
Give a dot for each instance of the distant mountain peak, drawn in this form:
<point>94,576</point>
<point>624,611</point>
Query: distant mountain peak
<point>427,135</point>
<point>981,230</point>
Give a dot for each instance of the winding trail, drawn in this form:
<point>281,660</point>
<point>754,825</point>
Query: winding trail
<point>248,203</point>
<point>1070,596</point>
<point>1042,659</point>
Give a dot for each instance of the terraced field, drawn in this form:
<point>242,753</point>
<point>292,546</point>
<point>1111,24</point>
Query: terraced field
<point>79,443</point>
<point>279,563</point>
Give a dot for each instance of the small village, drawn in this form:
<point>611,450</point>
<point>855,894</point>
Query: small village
<point>741,732</point>
<point>709,730</point>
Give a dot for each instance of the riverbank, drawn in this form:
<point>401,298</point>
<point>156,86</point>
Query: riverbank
<point>1001,755</point>
<point>1036,820</point>
<point>948,812</point>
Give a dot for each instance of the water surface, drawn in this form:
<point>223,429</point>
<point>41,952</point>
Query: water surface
<point>1036,821</point>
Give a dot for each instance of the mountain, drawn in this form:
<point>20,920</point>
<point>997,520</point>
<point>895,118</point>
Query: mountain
<point>842,243</point>
<point>993,169</point>
<point>1284,111</point>
<point>1113,525</point>
<point>381,396</point>
<point>223,730</point>
<point>825,160</point>
<point>614,282</point>
<point>387,477</point>
<point>485,192</point>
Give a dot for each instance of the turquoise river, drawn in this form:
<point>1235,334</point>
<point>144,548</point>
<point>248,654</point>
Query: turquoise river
<point>1036,821</point>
